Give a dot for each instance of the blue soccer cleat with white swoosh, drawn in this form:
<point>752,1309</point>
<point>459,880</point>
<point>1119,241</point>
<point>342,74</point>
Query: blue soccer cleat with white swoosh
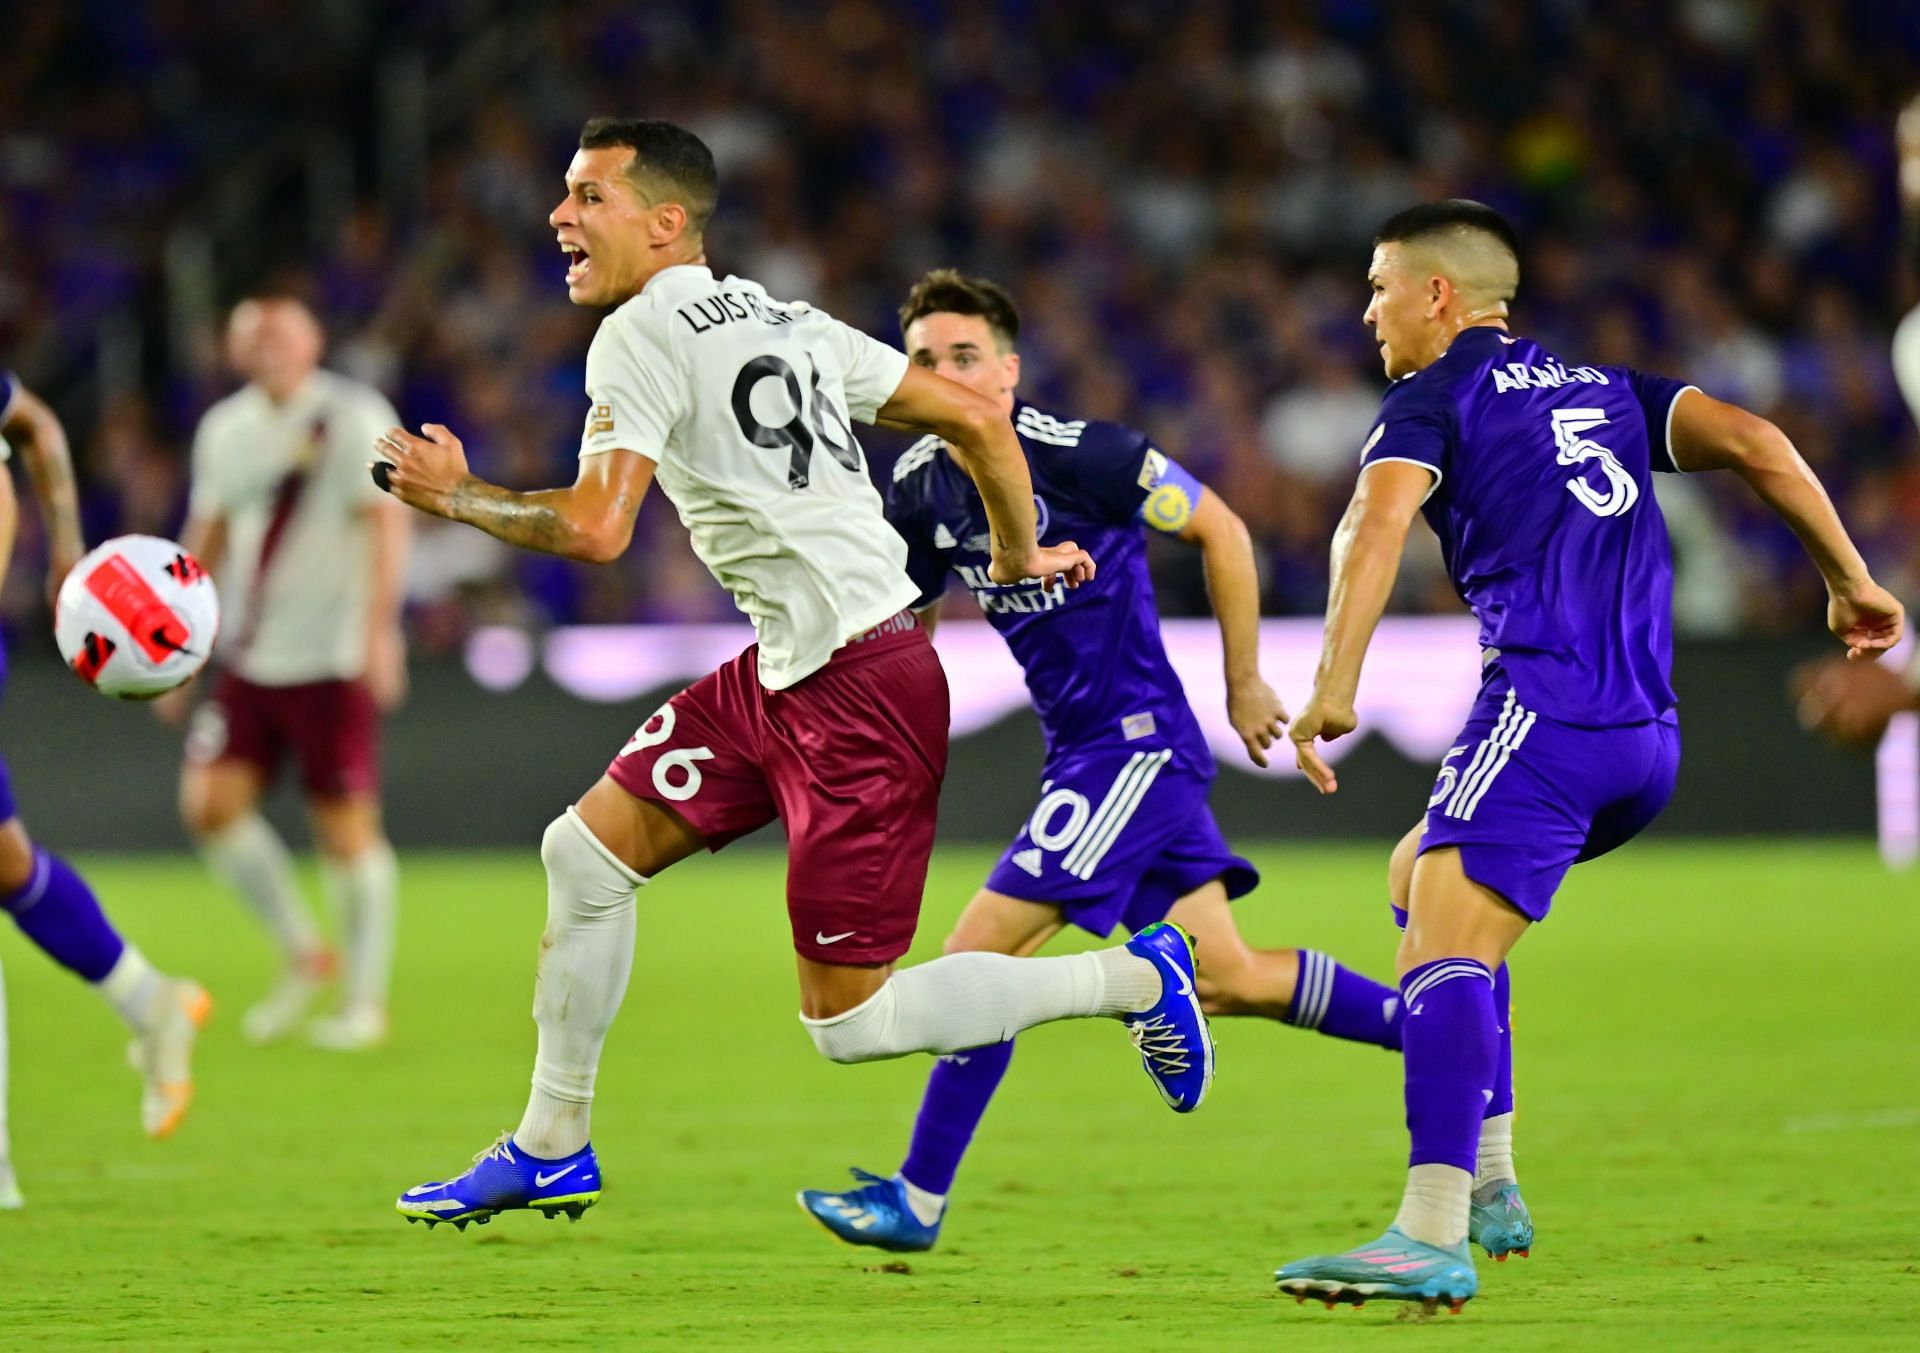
<point>1175,1045</point>
<point>504,1178</point>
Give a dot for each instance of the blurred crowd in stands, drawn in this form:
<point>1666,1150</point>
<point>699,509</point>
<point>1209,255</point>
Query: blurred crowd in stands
<point>1180,195</point>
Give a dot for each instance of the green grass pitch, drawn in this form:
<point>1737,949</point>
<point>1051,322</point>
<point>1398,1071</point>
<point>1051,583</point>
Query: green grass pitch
<point>1719,1133</point>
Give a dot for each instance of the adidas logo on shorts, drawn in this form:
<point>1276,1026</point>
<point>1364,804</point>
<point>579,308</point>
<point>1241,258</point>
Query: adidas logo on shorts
<point>1029,860</point>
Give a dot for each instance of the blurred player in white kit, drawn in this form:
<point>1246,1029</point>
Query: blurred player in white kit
<point>309,557</point>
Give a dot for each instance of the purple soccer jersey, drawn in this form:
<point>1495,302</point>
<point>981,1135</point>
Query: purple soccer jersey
<point>1544,506</point>
<point>1122,829</point>
<point>1092,655</point>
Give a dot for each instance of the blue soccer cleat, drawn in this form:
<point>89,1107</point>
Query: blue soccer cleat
<point>504,1178</point>
<point>1395,1267</point>
<point>1172,1035</point>
<point>874,1214</point>
<point>1501,1225</point>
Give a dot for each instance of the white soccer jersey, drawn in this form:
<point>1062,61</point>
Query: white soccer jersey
<point>291,481</point>
<point>742,401</point>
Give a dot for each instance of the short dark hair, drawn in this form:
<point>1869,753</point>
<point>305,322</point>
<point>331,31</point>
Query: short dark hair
<point>1453,213</point>
<point>949,291</point>
<point>673,157</point>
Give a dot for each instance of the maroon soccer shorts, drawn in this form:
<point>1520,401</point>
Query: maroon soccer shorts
<point>331,728</point>
<point>850,759</point>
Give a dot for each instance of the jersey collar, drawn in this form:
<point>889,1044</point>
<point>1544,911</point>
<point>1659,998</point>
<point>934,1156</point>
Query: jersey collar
<point>677,275</point>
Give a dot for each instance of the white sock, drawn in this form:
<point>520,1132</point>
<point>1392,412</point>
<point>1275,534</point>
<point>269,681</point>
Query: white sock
<point>362,893</point>
<point>586,956</point>
<point>249,856</point>
<point>1434,1209</point>
<point>969,1000</point>
<point>135,989</point>
<point>1133,984</point>
<point>928,1207</point>
<point>1495,1165</point>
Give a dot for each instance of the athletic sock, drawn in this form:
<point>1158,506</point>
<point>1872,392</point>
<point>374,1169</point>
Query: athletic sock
<point>1494,1165</point>
<point>926,1207</point>
<point>1502,1101</point>
<point>586,957</point>
<point>249,857</point>
<point>60,914</point>
<point>971,1000</point>
<point>362,893</point>
<point>135,989</point>
<point>958,1091</point>
<point>1342,1004</point>
<point>1132,983</point>
<point>1449,1051</point>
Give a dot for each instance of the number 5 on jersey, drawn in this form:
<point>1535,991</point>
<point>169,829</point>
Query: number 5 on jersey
<point>680,761</point>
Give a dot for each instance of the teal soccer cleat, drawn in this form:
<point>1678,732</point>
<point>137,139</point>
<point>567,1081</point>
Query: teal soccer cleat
<point>504,1179</point>
<point>874,1214</point>
<point>1175,1045</point>
<point>1395,1267</point>
<point>1501,1225</point>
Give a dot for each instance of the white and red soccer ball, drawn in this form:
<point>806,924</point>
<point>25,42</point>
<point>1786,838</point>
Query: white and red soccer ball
<point>137,617</point>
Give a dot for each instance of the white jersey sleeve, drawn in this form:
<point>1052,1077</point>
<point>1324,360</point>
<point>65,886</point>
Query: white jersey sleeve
<point>746,404</point>
<point>872,370</point>
<point>208,497</point>
<point>637,394</point>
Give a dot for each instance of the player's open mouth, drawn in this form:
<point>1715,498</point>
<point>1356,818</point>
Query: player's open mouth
<point>577,263</point>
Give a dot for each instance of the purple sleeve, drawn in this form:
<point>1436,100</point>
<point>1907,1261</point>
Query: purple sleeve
<point>9,389</point>
<point>1656,395</point>
<point>1414,426</point>
<point>910,516</point>
<point>1114,468</point>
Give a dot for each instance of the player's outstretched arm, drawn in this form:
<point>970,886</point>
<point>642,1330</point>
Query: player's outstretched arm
<point>1707,434</point>
<point>985,447</point>
<point>1233,586</point>
<point>35,431</point>
<point>392,531</point>
<point>1366,559</point>
<point>591,520</point>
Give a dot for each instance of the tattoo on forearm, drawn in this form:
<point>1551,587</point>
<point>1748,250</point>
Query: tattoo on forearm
<point>533,521</point>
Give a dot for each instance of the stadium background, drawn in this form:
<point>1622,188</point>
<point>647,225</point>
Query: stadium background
<point>1179,195</point>
<point>1717,1130</point>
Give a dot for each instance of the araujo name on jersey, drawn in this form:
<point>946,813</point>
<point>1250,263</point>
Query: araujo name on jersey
<point>724,307</point>
<point>1026,597</point>
<point>1520,376</point>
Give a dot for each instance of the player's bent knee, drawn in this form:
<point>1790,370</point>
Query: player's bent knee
<point>582,873</point>
<point>862,1034</point>
<point>209,804</point>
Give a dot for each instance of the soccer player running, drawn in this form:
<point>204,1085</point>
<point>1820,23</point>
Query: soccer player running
<point>835,722</point>
<point>1535,474</point>
<point>46,897</point>
<point>1122,833</point>
<point>310,558</point>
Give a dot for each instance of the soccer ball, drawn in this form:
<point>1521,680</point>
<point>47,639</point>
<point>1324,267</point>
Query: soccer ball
<point>136,618</point>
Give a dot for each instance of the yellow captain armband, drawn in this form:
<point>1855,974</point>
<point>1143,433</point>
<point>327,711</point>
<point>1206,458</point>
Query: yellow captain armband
<point>1172,494</point>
